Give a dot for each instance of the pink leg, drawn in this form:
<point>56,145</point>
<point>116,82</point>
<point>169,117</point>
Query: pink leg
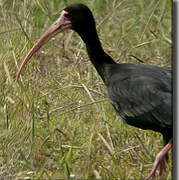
<point>162,167</point>
<point>160,159</point>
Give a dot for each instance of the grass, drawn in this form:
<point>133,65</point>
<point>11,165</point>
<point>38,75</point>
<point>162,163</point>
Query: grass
<point>57,121</point>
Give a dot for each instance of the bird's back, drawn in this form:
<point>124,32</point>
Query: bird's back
<point>142,95</point>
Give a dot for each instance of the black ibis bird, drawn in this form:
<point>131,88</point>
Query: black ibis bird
<point>140,94</point>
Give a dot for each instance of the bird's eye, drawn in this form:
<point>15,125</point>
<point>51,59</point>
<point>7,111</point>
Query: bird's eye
<point>67,15</point>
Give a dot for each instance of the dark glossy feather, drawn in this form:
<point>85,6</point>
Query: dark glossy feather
<point>142,95</point>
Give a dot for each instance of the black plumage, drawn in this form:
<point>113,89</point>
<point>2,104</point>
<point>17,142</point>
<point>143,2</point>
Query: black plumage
<point>140,94</point>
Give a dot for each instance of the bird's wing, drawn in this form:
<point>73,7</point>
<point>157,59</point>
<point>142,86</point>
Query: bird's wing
<point>137,94</point>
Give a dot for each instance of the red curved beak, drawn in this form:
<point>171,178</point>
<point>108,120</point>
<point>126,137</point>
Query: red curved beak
<point>58,26</point>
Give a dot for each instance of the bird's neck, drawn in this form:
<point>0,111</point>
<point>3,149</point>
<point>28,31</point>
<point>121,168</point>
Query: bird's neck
<point>96,54</point>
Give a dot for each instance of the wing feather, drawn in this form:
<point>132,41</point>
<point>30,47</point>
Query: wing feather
<point>137,94</point>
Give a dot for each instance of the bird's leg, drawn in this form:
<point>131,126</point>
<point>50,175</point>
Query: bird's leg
<point>162,167</point>
<point>160,159</point>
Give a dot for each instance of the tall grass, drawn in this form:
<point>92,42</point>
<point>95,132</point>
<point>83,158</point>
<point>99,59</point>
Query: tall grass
<point>57,121</point>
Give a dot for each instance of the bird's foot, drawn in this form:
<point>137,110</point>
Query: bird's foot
<point>162,170</point>
<point>160,159</point>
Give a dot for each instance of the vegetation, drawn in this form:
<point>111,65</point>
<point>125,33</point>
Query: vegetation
<point>57,121</point>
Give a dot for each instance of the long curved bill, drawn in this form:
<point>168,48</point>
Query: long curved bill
<point>58,26</point>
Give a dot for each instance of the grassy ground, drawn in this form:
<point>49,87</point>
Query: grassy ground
<point>57,122</point>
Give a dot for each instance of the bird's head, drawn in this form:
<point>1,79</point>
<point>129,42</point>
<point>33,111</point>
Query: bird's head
<point>81,18</point>
<point>76,16</point>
